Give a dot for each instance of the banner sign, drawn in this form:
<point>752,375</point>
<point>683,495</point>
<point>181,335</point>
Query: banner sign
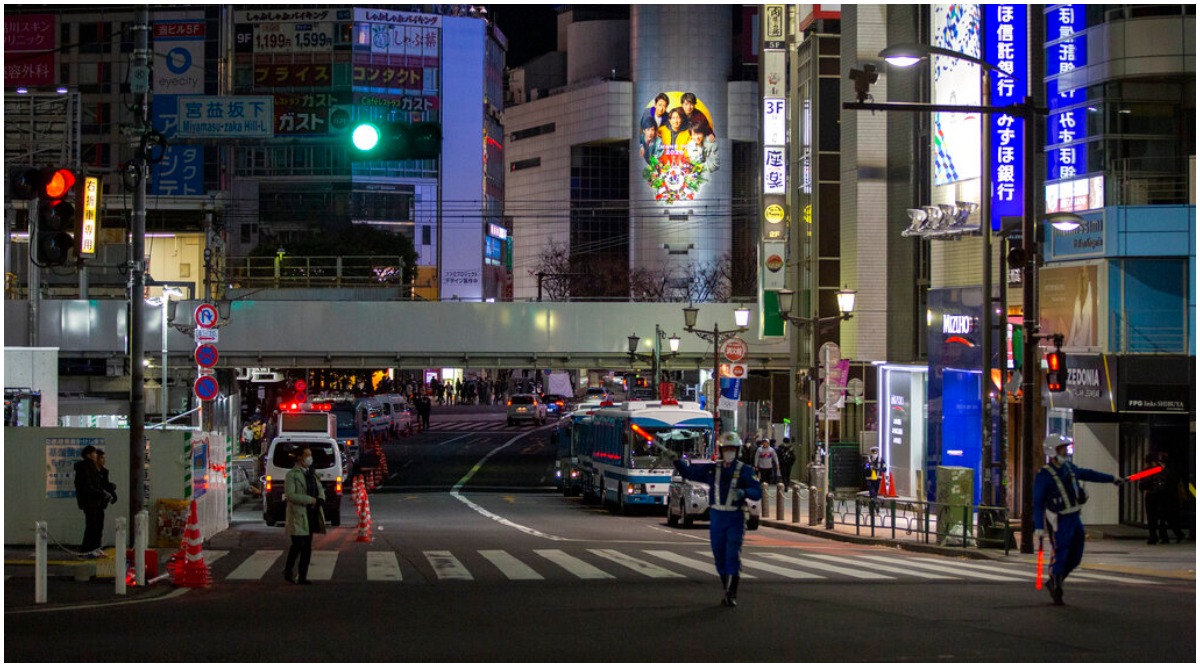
<point>1007,47</point>
<point>1066,127</point>
<point>30,45</point>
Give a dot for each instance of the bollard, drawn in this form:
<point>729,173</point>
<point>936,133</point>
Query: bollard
<point>795,504</point>
<point>119,566</point>
<point>765,504</point>
<point>140,538</point>
<point>39,559</point>
<point>829,511</point>
<point>779,501</point>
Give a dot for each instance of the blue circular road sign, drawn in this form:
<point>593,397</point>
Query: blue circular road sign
<point>206,387</point>
<point>206,356</point>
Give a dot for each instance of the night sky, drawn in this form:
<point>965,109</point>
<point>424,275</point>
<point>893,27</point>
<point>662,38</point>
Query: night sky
<point>531,30</point>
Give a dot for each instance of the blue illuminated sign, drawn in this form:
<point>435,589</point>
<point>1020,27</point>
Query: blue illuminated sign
<point>1006,47</point>
<point>1066,50</point>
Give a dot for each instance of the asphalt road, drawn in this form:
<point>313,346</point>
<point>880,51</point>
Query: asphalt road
<point>475,558</point>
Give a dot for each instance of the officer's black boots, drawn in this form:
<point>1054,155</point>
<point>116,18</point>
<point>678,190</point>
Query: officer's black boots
<point>1055,587</point>
<point>731,585</point>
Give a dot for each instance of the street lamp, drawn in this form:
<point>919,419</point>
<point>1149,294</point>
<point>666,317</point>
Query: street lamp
<point>907,55</point>
<point>657,357</point>
<point>741,318</point>
<point>845,300</point>
<point>165,303</point>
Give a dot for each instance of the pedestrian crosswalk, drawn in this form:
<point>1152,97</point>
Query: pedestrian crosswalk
<point>598,564</point>
<point>475,426</point>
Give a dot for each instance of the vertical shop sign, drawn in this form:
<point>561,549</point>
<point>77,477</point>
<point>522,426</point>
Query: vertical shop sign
<point>1007,48</point>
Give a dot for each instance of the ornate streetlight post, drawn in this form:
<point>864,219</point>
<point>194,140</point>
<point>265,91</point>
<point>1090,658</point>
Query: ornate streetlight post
<point>741,318</point>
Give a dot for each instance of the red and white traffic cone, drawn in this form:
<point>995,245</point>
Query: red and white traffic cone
<point>362,507</point>
<point>191,571</point>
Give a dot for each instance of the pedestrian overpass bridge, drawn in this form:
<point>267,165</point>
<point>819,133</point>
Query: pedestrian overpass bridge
<point>394,334</point>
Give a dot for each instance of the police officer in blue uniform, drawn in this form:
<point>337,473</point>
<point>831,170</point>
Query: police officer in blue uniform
<point>1056,490</point>
<point>730,483</point>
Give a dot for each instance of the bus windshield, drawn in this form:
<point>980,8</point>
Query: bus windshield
<point>689,442</point>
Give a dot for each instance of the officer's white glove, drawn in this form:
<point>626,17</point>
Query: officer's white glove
<point>667,453</point>
<point>739,495</point>
<point>1117,480</point>
<point>1039,534</point>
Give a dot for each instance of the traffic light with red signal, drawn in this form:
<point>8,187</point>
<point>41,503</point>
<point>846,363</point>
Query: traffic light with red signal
<point>53,230</point>
<point>1056,371</point>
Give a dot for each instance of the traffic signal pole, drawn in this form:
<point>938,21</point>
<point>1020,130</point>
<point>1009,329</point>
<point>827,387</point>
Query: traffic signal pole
<point>35,273</point>
<point>137,271</point>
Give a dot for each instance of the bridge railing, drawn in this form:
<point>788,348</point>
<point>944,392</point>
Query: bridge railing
<point>315,271</point>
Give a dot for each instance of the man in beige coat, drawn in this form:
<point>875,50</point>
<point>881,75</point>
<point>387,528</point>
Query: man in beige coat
<point>305,496</point>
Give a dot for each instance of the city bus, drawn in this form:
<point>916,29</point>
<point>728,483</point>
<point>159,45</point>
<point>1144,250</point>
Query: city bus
<point>618,461</point>
<point>568,436</point>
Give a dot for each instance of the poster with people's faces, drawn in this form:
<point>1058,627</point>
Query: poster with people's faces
<point>677,145</point>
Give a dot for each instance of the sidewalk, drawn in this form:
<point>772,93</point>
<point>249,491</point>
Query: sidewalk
<point>1110,548</point>
<point>72,582</point>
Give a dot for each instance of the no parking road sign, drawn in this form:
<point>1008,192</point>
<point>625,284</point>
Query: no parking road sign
<point>206,356</point>
<point>205,315</point>
<point>206,387</point>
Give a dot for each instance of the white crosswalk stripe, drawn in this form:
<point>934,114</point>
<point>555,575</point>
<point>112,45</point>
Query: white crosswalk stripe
<point>908,572</point>
<point>555,564</point>
<point>575,566</point>
<point>700,565</point>
<point>446,566</point>
<point>952,569</point>
<point>509,565</point>
<point>256,565</point>
<point>321,566</point>
<point>857,573</point>
<point>383,566</point>
<point>635,564</point>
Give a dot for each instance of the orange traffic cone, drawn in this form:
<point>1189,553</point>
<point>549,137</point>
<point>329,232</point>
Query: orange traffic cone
<point>891,485</point>
<point>362,507</point>
<point>191,571</point>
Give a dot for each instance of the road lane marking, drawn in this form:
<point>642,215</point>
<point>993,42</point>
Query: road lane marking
<point>454,492</point>
<point>258,564</point>
<point>935,567</point>
<point>213,556</point>
<point>571,564</point>
<point>1120,580</point>
<point>781,571</point>
<point>447,567</point>
<point>383,566</point>
<point>880,567</point>
<point>635,564</point>
<point>805,562</point>
<point>1013,570</point>
<point>509,566</point>
<point>703,566</point>
<point>320,567</point>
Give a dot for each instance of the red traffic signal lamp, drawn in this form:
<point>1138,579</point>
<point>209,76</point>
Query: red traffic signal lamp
<point>54,227</point>
<point>1056,371</point>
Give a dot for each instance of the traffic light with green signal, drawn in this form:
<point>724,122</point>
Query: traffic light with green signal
<point>391,140</point>
<point>54,227</point>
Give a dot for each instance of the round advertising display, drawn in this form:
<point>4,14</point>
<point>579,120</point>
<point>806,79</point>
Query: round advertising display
<point>774,263</point>
<point>678,146</point>
<point>774,214</point>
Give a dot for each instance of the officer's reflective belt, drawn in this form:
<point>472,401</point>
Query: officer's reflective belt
<point>1071,506</point>
<point>728,505</point>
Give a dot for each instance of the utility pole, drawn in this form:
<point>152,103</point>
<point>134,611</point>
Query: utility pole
<point>140,87</point>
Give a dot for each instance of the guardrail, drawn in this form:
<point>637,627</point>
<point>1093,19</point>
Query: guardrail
<point>316,271</point>
<point>899,519</point>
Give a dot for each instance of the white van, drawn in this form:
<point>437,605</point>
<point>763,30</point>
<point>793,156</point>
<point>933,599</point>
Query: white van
<point>396,408</point>
<point>327,464</point>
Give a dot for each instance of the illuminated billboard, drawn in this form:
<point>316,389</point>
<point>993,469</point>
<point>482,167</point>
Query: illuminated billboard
<point>956,149</point>
<point>678,146</point>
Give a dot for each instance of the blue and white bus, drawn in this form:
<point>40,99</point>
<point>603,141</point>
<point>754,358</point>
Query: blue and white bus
<point>568,438</point>
<point>619,463</point>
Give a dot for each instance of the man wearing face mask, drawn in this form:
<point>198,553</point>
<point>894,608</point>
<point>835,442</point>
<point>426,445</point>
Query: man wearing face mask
<point>305,495</point>
<point>1057,491</point>
<point>730,483</point>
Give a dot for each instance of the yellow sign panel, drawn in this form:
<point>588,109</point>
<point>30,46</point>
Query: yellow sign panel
<point>91,212</point>
<point>774,214</point>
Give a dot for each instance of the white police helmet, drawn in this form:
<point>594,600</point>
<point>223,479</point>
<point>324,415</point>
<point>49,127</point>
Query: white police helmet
<point>729,439</point>
<point>1052,442</point>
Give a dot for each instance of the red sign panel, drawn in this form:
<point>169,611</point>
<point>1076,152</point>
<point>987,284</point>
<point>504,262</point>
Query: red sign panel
<point>30,41</point>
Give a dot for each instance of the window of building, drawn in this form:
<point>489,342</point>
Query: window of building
<point>533,132</point>
<point>94,37</point>
<point>525,164</point>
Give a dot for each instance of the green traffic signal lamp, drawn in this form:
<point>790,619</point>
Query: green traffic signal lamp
<point>377,140</point>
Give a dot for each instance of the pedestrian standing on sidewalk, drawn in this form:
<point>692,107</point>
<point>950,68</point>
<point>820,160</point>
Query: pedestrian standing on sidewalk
<point>247,444</point>
<point>424,407</point>
<point>787,458</point>
<point>1057,492</point>
<point>91,497</point>
<point>766,462</point>
<point>730,483</point>
<point>303,515</point>
<point>1154,491</point>
<point>874,470</point>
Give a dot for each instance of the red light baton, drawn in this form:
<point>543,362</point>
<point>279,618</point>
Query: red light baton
<point>1038,585</point>
<point>1145,473</point>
